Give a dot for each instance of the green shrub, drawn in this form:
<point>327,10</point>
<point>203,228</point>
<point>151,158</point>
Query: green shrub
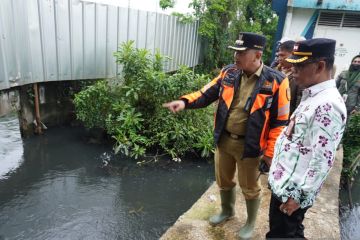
<point>351,143</point>
<point>130,108</point>
<point>93,103</point>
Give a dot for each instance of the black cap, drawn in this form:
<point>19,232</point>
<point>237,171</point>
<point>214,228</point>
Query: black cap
<point>312,48</point>
<point>248,40</point>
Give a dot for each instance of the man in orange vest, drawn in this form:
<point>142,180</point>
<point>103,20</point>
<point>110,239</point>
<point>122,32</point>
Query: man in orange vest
<point>253,108</point>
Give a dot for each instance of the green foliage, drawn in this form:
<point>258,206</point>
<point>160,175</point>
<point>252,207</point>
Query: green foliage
<point>125,125</point>
<point>164,4</point>
<point>184,18</point>
<point>221,21</point>
<point>258,17</point>
<point>183,132</point>
<point>130,107</point>
<point>93,103</point>
<point>351,143</point>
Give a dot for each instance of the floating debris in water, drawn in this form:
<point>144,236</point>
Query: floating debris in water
<point>105,160</point>
<point>176,159</point>
<point>136,211</point>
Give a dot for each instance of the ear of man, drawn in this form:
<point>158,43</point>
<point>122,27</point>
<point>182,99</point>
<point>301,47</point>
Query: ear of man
<point>259,54</point>
<point>321,67</point>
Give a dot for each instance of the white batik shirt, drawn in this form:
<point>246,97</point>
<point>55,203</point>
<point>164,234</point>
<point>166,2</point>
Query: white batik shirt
<point>304,153</point>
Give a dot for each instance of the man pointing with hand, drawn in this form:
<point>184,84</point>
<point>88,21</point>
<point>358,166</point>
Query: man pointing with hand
<point>253,108</point>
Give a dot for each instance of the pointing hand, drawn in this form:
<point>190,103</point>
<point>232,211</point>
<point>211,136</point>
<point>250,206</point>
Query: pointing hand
<point>175,106</point>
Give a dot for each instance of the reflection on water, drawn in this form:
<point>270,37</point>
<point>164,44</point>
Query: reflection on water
<point>350,224</point>
<point>60,192</point>
<point>11,146</point>
<point>350,220</point>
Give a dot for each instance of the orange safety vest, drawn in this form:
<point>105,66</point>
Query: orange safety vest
<point>268,107</point>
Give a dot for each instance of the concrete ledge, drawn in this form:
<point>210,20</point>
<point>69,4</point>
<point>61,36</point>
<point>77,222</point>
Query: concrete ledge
<point>321,221</point>
<point>9,101</point>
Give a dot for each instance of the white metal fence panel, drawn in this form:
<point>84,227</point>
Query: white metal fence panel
<point>55,40</point>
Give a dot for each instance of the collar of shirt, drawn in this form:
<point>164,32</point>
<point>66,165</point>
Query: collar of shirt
<point>257,73</point>
<point>315,89</point>
<point>286,71</point>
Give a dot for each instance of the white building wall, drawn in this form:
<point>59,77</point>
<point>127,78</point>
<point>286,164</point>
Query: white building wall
<point>296,21</point>
<point>347,39</point>
<point>347,44</point>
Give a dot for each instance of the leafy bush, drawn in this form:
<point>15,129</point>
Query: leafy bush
<point>93,103</point>
<point>130,108</point>
<point>351,143</point>
<point>166,3</point>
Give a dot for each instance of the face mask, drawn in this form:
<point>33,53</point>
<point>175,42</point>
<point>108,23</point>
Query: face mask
<point>354,67</point>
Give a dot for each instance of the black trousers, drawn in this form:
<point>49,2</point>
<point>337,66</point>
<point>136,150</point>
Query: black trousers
<point>282,225</point>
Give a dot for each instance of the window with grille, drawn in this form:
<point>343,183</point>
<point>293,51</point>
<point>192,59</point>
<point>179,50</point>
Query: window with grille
<point>351,20</point>
<point>339,19</point>
<point>332,19</point>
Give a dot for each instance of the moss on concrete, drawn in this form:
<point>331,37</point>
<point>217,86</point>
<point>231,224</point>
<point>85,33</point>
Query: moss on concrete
<point>217,233</point>
<point>182,232</point>
<point>203,213</point>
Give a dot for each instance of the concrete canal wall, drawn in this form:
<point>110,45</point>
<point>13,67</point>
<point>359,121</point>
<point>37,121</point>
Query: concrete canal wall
<point>321,221</point>
<point>55,103</point>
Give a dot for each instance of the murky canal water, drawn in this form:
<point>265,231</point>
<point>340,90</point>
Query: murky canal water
<point>350,219</point>
<point>51,187</point>
<point>11,147</point>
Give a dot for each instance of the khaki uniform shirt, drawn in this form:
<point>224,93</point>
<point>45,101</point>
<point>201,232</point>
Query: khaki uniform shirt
<point>296,91</point>
<point>237,119</point>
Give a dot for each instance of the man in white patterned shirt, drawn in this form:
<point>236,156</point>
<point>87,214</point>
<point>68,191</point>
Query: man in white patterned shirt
<point>305,150</point>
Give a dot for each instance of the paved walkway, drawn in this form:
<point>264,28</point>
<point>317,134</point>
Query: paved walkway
<point>321,221</point>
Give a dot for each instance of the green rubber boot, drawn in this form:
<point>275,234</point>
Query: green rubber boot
<point>252,207</point>
<point>227,207</point>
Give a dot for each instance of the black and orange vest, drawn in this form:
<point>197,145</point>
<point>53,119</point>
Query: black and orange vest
<point>268,107</point>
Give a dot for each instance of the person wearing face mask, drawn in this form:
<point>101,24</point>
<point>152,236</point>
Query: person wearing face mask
<point>252,110</point>
<point>348,83</point>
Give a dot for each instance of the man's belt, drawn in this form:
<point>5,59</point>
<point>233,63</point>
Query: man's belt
<point>234,136</point>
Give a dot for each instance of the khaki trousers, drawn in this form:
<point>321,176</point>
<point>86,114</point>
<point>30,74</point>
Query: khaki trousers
<point>228,155</point>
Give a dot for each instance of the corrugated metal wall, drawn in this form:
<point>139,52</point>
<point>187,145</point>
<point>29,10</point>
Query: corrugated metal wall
<point>52,40</point>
